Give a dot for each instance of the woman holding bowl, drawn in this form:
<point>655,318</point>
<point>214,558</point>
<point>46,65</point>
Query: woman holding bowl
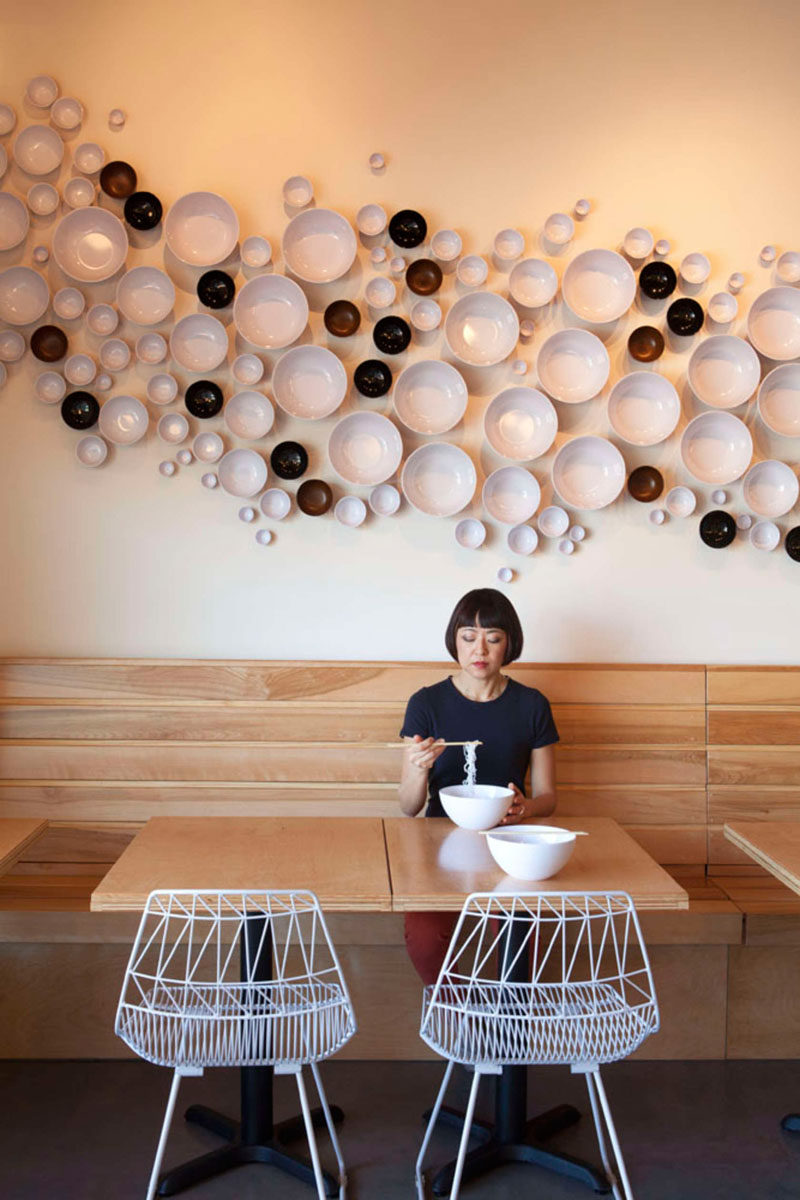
<point>477,703</point>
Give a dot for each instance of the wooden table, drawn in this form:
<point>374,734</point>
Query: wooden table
<point>16,834</point>
<point>342,860</point>
<point>433,866</point>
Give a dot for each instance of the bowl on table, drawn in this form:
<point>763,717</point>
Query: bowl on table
<point>531,851</point>
<point>479,807</point>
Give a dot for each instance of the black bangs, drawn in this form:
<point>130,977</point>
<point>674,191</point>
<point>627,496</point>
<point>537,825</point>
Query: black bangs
<point>493,611</point>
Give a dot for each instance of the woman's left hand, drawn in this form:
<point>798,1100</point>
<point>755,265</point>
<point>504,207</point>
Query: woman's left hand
<point>517,810</point>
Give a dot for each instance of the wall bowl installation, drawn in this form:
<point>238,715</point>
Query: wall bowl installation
<point>481,329</point>
<point>270,311</point>
<point>588,472</point>
<point>511,495</point>
<point>309,382</point>
<point>520,423</point>
<point>242,473</point>
<point>773,323</point>
<point>716,447</point>
<point>779,400</point>
<point>201,229</point>
<point>724,371</point>
<point>643,408</point>
<point>430,396</point>
<point>598,286</point>
<point>365,448</point>
<point>439,479</point>
<point>90,244</point>
<point>770,488</point>
<point>532,283</point>
<point>145,295</point>
<point>573,365</point>
<point>319,245</point>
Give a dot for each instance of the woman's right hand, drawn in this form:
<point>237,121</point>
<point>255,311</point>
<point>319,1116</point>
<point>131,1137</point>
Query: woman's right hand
<point>422,753</point>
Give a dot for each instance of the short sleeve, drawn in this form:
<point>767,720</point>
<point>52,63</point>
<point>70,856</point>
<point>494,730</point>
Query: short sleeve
<point>544,727</point>
<point>417,718</point>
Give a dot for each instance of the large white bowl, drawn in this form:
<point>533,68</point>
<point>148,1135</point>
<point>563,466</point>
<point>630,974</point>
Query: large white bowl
<point>90,244</point>
<point>779,400</point>
<point>438,479</point>
<point>319,245</point>
<point>520,423</point>
<point>716,447</point>
<point>242,473</point>
<point>123,420</point>
<point>588,472</point>
<point>145,295</point>
<point>24,296</point>
<point>365,447</point>
<point>770,488</point>
<point>599,286</point>
<point>478,807</point>
<point>38,150</point>
<point>643,408</point>
<point>309,382</point>
<point>199,342</point>
<point>724,371</point>
<point>531,851</point>
<point>201,228</point>
<point>532,283</point>
<point>270,311</point>
<point>430,396</point>
<point>14,221</point>
<point>249,415</point>
<point>511,495</point>
<point>481,329</point>
<point>773,323</point>
<point>573,365</point>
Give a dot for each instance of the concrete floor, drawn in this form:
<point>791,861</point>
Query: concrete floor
<point>690,1131</point>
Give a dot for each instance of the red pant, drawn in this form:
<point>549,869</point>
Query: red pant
<point>427,938</point>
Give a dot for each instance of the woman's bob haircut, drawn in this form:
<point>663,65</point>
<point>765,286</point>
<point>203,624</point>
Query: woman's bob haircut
<point>490,609</point>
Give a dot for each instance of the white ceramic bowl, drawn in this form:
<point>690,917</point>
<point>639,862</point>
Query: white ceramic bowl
<point>199,343</point>
<point>201,229</point>
<point>522,539</point>
<point>573,365</point>
<point>41,90</point>
<point>481,329</point>
<point>42,199</point>
<point>242,473</point>
<point>695,268</point>
<point>531,852</point>
<point>247,369</point>
<point>588,472</point>
<point>249,415</point>
<point>520,423</point>
<point>256,251</point>
<point>78,192</point>
<point>145,295</point>
<point>8,119</point>
<point>14,221</point>
<point>298,191</point>
<point>439,479</point>
<point>309,382</point>
<point>716,447</point>
<point>770,488</point>
<point>787,268</point>
<point>151,348</point>
<point>24,296</point>
<point>3,161</point>
<point>508,244</point>
<point>765,535</point>
<point>384,500</point>
<point>722,307</point>
<point>350,511</point>
<point>12,345</point>
<point>102,319</point>
<point>472,270</point>
<point>371,220</point>
<point>638,242</point>
<point>681,501</point>
<point>425,316</point>
<point>553,521</point>
<point>479,807</point>
<point>68,303</point>
<point>270,311</point>
<point>66,113</point>
<point>532,283</point>
<point>773,323</point>
<point>511,495</point>
<point>91,451</point>
<point>50,387</point>
<point>123,420</point>
<point>80,369</point>
<point>643,408</point>
<point>559,228</point>
<point>446,245</point>
<point>319,245</point>
<point>365,448</point>
<point>779,400</point>
<point>90,244</point>
<point>276,503</point>
<point>598,286</point>
<point>173,428</point>
<point>89,157</point>
<point>430,396</point>
<point>162,388</point>
<point>208,447</point>
<point>470,533</point>
<point>724,371</point>
<point>380,292</point>
<point>38,150</point>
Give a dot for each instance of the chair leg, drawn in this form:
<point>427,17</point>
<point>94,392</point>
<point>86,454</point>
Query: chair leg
<point>312,1140</point>
<point>323,1099</point>
<point>620,1176</point>
<point>429,1131</point>
<point>162,1141</point>
<point>462,1149</point>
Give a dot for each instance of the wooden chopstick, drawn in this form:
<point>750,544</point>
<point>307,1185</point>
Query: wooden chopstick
<point>397,745</point>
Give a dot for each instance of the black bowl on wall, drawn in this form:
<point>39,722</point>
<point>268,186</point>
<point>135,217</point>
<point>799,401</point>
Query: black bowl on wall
<point>289,460</point>
<point>372,378</point>
<point>717,529</point>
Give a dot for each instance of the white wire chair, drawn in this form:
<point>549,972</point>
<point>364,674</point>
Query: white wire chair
<point>534,979</point>
<point>191,1000</point>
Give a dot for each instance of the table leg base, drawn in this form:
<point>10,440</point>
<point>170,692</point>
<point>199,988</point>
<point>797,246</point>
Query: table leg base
<point>284,1131</point>
<point>454,1117</point>
<point>791,1123</point>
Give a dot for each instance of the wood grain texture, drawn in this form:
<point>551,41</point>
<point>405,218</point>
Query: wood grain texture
<point>772,844</point>
<point>753,685</point>
<point>763,1013</point>
<point>748,803</point>
<point>16,835</point>
<point>754,766</point>
<point>749,726</point>
<point>672,843</point>
<point>654,804</point>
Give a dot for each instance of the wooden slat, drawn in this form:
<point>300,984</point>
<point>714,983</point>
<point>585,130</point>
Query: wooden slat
<point>754,765</point>
<point>631,764</point>
<point>672,843</point>
<point>769,726</point>
<point>772,844</point>
<point>754,685</point>
<point>724,857</point>
<point>85,842</point>
<point>630,804</point>
<point>747,803</point>
<point>653,725</point>
<point>16,834</point>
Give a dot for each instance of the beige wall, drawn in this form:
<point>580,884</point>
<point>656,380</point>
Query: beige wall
<point>680,117</point>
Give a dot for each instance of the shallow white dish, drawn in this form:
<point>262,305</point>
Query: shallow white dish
<point>90,244</point>
<point>695,268</point>
<point>50,387</point>
<point>309,382</point>
<point>80,369</point>
<point>249,415</point>
<point>439,479</point>
<point>123,420</point>
<point>470,533</point>
<point>531,852</point>
<point>208,447</point>
<point>479,807</point>
<point>384,500</point>
<point>162,388</point>
<point>12,345</point>
<point>724,371</point>
<point>102,319</point>
<point>520,423</point>
<point>350,511</point>
<point>553,521</point>
<point>773,323</point>
<point>365,448</point>
<point>511,495</point>
<point>14,221</point>
<point>598,286</point>
<point>151,348</point>
<point>89,157</point>
<point>680,502</point>
<point>588,472</point>
<point>173,428</point>
<point>247,369</point>
<point>91,451</point>
<point>779,400</point>
<point>643,408</point>
<point>532,283</point>
<point>716,447</point>
<point>275,503</point>
<point>481,329</point>
<point>199,342</point>
<point>319,245</point>
<point>42,199</point>
<point>573,365</point>
<point>765,535</point>
<point>522,539</point>
<point>270,311</point>
<point>68,303</point>
<point>78,192</point>
<point>115,354</point>
<point>430,396</point>
<point>242,473</point>
<point>770,488</point>
<point>201,229</point>
<point>371,220</point>
<point>425,316</point>
<point>256,251</point>
<point>38,150</point>
<point>472,270</point>
<point>24,296</point>
<point>145,295</point>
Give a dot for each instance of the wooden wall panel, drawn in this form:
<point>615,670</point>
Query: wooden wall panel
<point>747,803</point>
<point>672,843</point>
<point>749,726</point>
<point>655,804</point>
<point>763,1013</point>
<point>753,685</point>
<point>754,766</point>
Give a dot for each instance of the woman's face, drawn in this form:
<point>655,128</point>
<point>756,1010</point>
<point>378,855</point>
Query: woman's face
<point>481,651</point>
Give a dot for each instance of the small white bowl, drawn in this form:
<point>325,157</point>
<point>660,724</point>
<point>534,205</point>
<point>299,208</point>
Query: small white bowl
<point>80,369</point>
<point>598,286</point>
<point>735,282</point>
<point>162,388</point>
<point>249,415</point>
<point>68,303</point>
<point>377,255</point>
<point>89,157</point>
<point>78,192</point>
<point>199,343</point>
<point>770,488</point>
<point>42,91</point>
<point>276,503</point>
<point>531,852</point>
<point>582,208</point>
<point>66,113</point>
<point>425,316</point>
<point>173,428</point>
<point>509,244</point>
<point>643,408</point>
<point>657,516</point>
<point>553,521</point>
<point>38,150</point>
<point>298,191</point>
<point>319,245</point>
<point>511,495</point>
<point>42,199</point>
<point>115,354</point>
<point>247,369</point>
<point>102,319</point>
<point>184,457</point>
<point>695,268</point>
<point>765,535</point>
<point>532,283</point>
<point>380,292</point>
<point>12,345</point>
<point>722,308</point>
<point>201,229</point>
<point>350,511</point>
<point>744,521</point>
<point>208,447</point>
<point>371,220</point>
<point>446,245</point>
<point>24,296</point>
<point>773,323</point>
<point>50,387</point>
<point>638,242</point>
<point>91,451</point>
<point>210,480</point>
<point>719,497</point>
<point>566,546</point>
<point>470,533</point>
<point>787,268</point>
<point>559,228</point>
<point>247,514</point>
<point>588,472</point>
<point>145,295</point>
<point>522,539</point>
<point>767,255</point>
<point>167,468</point>
<point>479,807</point>
<point>264,537</point>
<point>242,473</point>
<point>365,448</point>
<point>150,348</point>
<point>309,382</point>
<point>123,420</point>
<point>724,371</point>
<point>505,574</point>
<point>256,251</point>
<point>14,221</point>
<point>8,119</point>
<point>520,423</point>
<point>40,255</point>
<point>779,400</point>
<point>270,311</point>
<point>472,270</point>
<point>577,533</point>
<point>716,447</point>
<point>481,329</point>
<point>573,365</point>
<point>430,396</point>
<point>680,501</point>
<point>384,500</point>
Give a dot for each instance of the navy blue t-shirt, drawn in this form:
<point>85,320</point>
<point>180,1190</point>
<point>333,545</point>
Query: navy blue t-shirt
<point>517,721</point>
